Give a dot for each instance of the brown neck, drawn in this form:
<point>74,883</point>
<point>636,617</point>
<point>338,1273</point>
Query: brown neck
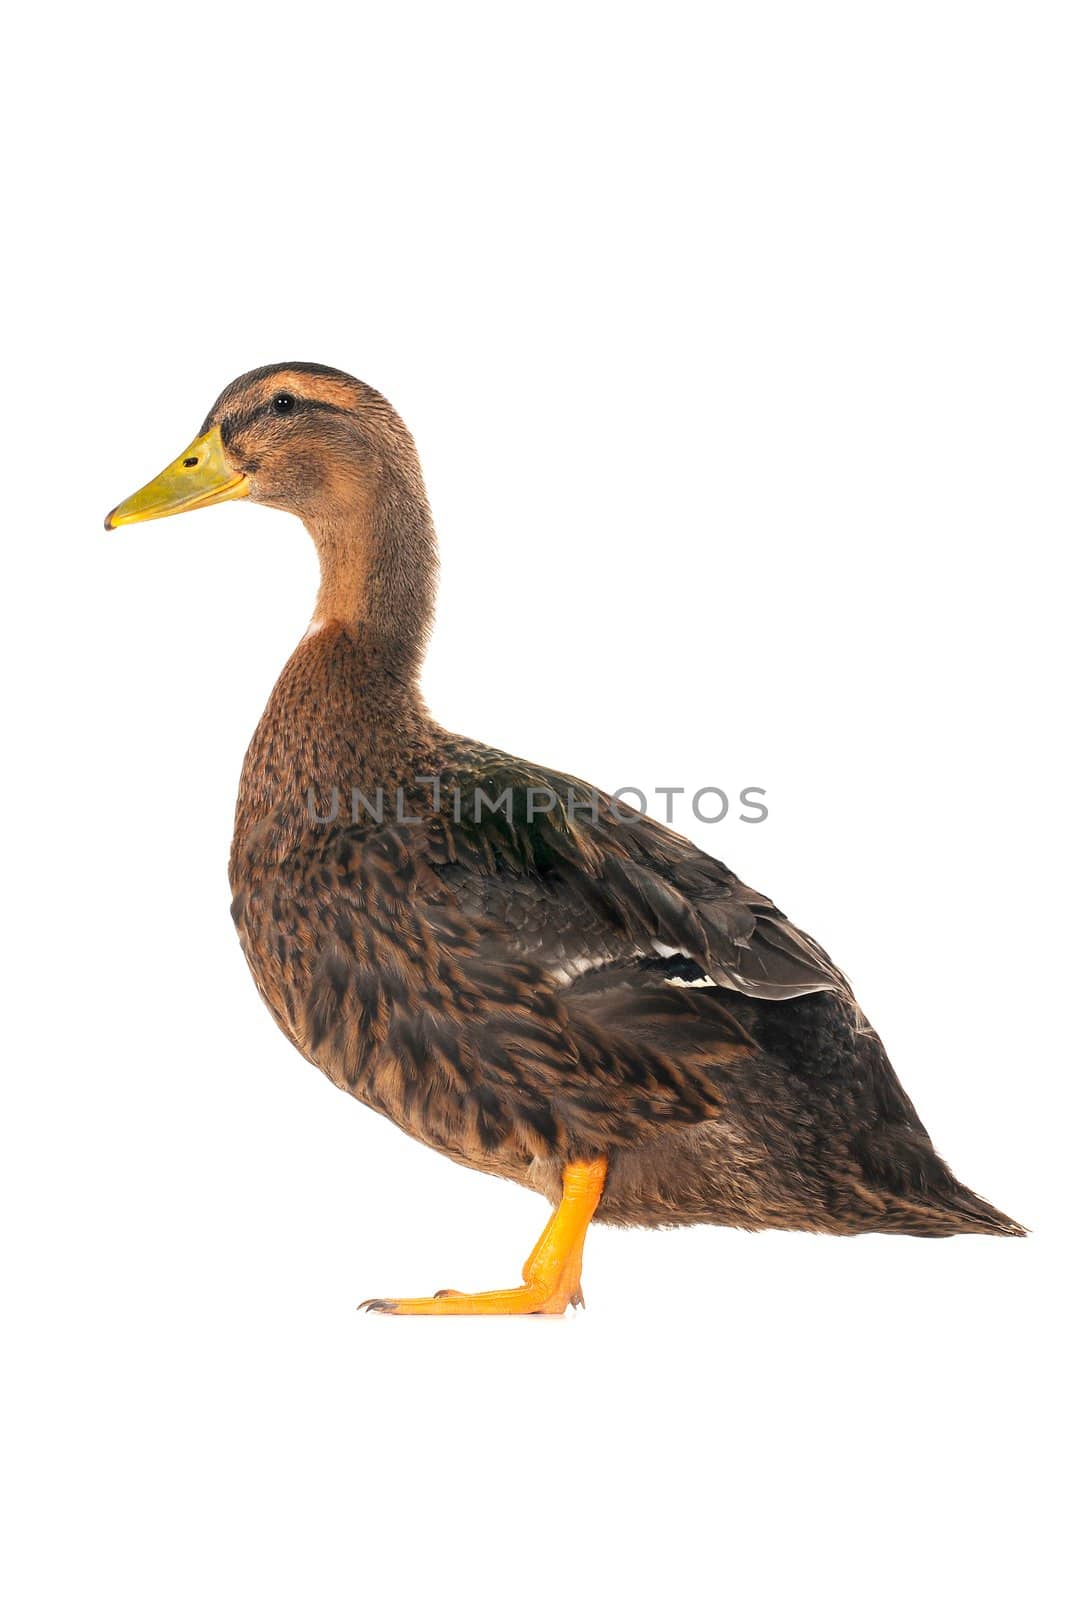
<point>347,709</point>
<point>378,566</point>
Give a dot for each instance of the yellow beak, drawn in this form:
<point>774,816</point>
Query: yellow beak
<point>201,476</point>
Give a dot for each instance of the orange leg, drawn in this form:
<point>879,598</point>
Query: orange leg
<point>551,1278</point>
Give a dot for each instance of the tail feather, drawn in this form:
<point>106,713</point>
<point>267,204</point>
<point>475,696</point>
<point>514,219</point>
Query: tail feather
<point>880,1163</point>
<point>978,1216</point>
<point>922,1195</point>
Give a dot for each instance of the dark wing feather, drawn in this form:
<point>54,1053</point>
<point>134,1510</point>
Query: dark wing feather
<point>592,881</point>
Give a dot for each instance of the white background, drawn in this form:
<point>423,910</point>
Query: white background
<point>733,338</point>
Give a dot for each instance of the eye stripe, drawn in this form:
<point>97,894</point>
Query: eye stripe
<point>302,404</point>
<point>232,426</point>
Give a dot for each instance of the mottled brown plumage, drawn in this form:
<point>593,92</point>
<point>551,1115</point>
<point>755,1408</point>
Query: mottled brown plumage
<point>522,991</point>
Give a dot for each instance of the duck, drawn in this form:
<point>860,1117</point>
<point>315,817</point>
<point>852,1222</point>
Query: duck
<point>516,968</point>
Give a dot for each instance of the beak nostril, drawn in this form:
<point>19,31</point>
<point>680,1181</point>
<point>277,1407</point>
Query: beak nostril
<point>190,461</point>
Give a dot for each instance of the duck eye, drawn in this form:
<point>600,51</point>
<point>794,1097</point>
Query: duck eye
<point>283,403</point>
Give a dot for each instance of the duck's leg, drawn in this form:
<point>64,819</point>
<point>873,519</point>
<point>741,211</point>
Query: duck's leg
<point>551,1278</point>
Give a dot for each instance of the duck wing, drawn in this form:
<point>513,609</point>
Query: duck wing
<point>580,880</point>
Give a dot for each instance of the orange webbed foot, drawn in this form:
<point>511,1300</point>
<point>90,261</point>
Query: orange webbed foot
<point>551,1276</point>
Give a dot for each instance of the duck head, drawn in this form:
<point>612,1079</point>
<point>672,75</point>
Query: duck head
<point>314,441</point>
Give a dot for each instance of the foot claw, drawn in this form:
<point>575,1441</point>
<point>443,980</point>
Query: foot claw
<point>386,1306</point>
